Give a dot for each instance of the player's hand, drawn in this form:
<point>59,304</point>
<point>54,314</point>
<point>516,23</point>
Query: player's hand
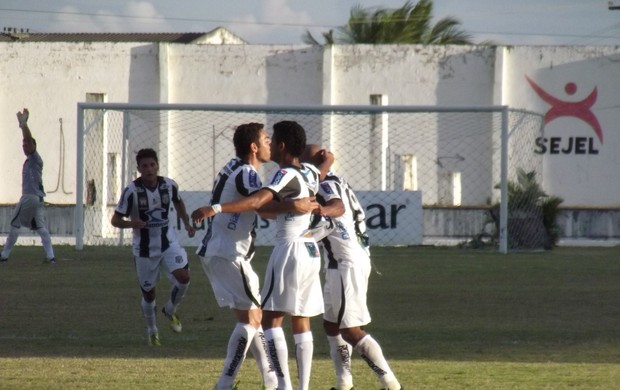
<point>200,214</point>
<point>137,224</point>
<point>305,205</point>
<point>190,230</point>
<point>327,157</point>
<point>22,118</point>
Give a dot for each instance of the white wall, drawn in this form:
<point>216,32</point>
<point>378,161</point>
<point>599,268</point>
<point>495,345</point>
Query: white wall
<point>589,176</point>
<point>50,78</point>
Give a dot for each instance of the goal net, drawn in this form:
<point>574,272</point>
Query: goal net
<point>421,173</point>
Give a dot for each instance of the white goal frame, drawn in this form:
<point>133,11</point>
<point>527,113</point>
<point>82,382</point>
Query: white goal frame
<point>373,109</point>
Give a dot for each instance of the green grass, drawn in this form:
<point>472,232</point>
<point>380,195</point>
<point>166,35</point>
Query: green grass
<point>446,319</point>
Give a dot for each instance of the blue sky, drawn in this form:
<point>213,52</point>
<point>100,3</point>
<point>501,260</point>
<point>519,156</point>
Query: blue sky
<point>515,22</point>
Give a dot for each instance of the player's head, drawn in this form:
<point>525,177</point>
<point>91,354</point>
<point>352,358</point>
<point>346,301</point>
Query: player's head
<point>146,153</point>
<point>288,136</point>
<point>312,154</point>
<point>252,138</point>
<point>148,164</point>
<point>29,146</point>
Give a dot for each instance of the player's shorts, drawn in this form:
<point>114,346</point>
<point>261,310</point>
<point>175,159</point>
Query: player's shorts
<point>345,292</point>
<point>29,213</point>
<point>292,280</point>
<point>147,268</point>
<point>234,282</point>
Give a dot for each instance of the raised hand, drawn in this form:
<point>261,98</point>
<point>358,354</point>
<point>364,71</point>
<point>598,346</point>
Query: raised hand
<point>22,118</point>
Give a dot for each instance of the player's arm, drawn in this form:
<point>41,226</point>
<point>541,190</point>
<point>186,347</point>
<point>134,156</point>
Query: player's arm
<point>327,160</point>
<point>22,119</point>
<point>250,203</point>
<point>182,212</point>
<point>333,208</point>
<point>297,206</point>
<point>119,221</point>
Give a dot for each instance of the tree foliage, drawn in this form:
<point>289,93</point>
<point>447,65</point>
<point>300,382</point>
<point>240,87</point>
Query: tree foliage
<point>409,24</point>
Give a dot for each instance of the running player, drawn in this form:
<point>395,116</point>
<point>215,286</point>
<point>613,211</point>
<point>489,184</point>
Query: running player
<point>145,206</point>
<point>347,268</point>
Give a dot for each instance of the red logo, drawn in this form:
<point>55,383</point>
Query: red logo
<point>580,109</point>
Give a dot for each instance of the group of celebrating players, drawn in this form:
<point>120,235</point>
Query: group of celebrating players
<point>315,212</point>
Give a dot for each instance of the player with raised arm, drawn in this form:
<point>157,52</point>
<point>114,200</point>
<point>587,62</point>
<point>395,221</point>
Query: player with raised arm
<point>347,268</point>
<point>29,210</point>
<point>292,284</point>
<point>145,206</point>
<point>227,250</point>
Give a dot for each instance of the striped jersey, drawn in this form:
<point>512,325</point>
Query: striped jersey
<point>232,234</point>
<point>349,230</point>
<point>153,206</point>
<point>293,183</point>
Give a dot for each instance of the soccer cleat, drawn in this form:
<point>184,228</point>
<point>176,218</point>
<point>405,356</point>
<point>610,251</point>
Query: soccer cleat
<point>154,340</point>
<point>51,261</point>
<point>4,260</point>
<point>352,388</point>
<point>175,321</point>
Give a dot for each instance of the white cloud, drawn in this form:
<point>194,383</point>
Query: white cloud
<point>136,16</point>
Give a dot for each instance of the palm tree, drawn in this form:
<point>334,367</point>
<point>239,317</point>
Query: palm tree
<point>408,24</point>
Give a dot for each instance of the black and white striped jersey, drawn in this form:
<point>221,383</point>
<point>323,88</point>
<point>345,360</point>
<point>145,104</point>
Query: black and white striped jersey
<point>230,235</point>
<point>151,205</point>
<point>293,183</point>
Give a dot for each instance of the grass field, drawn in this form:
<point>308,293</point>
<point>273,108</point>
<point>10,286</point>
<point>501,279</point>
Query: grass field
<point>446,318</point>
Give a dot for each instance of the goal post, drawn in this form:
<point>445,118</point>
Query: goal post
<point>420,171</point>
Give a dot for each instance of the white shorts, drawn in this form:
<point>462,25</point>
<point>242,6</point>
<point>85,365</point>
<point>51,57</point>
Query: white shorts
<point>345,292</point>
<point>234,282</point>
<point>292,280</point>
<point>147,268</point>
<point>29,213</point>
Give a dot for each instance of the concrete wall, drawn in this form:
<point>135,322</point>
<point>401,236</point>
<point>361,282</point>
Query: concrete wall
<point>50,78</point>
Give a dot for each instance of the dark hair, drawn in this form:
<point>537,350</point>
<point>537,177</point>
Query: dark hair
<point>146,153</point>
<point>245,135</point>
<point>292,134</point>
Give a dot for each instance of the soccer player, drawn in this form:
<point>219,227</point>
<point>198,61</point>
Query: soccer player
<point>29,210</point>
<point>292,284</point>
<point>145,206</point>
<point>347,268</point>
<point>227,250</point>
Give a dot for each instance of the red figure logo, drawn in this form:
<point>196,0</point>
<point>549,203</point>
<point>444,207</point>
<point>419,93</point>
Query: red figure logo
<point>581,110</point>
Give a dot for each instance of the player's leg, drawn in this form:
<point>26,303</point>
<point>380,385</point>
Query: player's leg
<point>277,347</point>
<point>304,349</point>
<point>15,225</point>
<point>371,352</point>
<point>340,353</point>
<point>339,350</point>
<point>147,271</point>
<point>258,348</point>
<point>38,224</point>
<point>356,315</point>
<point>177,266</point>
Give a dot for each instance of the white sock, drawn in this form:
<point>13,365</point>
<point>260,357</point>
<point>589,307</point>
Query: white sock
<point>304,348</point>
<point>177,293</point>
<point>46,241</point>
<point>340,352</point>
<point>258,347</point>
<point>11,239</point>
<point>238,345</point>
<point>373,355</point>
<point>278,356</point>
<point>148,310</point>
